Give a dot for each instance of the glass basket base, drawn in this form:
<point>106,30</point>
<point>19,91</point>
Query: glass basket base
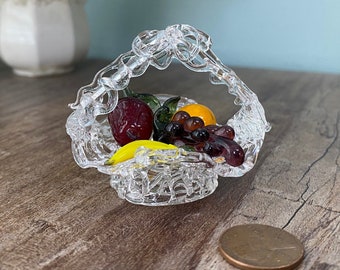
<point>168,186</point>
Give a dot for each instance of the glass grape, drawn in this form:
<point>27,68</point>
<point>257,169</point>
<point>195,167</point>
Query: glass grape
<point>200,135</point>
<point>232,151</point>
<point>211,128</point>
<point>180,117</point>
<point>213,149</point>
<point>174,129</point>
<point>193,123</point>
<point>225,131</point>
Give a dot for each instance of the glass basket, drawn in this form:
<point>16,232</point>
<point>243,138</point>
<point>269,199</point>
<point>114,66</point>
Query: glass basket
<point>162,177</point>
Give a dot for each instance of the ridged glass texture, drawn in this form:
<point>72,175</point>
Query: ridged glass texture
<point>162,177</point>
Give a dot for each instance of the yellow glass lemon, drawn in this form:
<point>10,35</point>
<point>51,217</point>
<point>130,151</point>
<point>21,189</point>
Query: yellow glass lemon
<point>128,150</point>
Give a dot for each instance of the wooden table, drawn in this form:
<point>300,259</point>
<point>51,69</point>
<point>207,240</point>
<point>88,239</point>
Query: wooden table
<point>55,215</point>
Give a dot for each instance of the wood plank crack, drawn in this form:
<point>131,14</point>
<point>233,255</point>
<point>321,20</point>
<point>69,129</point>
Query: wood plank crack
<point>302,199</point>
<point>335,138</point>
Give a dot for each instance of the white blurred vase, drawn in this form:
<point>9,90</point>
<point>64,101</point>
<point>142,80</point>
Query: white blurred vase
<point>43,37</point>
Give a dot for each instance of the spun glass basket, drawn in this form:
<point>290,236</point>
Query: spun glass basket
<point>162,177</point>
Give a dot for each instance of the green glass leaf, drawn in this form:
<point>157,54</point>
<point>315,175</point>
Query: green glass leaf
<point>172,103</point>
<point>163,116</point>
<point>149,99</point>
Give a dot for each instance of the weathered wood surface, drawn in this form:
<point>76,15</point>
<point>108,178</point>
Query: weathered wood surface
<point>55,215</point>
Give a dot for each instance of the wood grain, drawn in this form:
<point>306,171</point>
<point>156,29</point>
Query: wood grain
<point>54,215</point>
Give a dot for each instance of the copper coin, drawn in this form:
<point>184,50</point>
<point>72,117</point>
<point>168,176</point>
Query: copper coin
<point>256,246</point>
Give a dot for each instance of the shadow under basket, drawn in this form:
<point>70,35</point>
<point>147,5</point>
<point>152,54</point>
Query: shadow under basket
<point>162,177</point>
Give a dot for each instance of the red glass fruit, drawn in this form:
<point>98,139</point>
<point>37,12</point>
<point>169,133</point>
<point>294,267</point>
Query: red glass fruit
<point>131,120</point>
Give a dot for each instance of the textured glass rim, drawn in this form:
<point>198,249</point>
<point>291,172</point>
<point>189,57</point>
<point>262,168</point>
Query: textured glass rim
<point>158,48</point>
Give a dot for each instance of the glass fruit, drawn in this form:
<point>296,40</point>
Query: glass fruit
<point>174,129</point>
<point>225,131</point>
<point>200,135</point>
<point>201,111</point>
<point>180,116</point>
<point>193,123</point>
<point>131,120</point>
<point>232,151</point>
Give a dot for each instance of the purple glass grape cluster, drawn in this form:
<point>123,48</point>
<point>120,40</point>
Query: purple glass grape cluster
<point>190,133</point>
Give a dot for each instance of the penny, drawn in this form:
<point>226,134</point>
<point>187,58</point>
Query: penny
<point>257,246</point>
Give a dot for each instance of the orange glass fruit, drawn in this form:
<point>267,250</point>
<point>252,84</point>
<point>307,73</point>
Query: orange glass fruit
<point>201,111</point>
